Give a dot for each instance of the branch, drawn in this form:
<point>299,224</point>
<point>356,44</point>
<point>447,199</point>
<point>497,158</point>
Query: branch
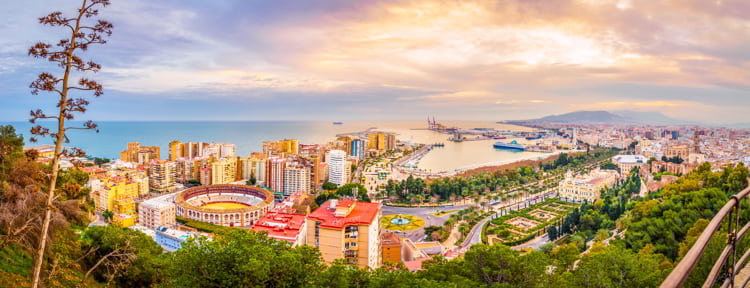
<point>101,260</point>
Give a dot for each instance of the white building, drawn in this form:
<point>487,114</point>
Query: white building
<point>586,187</point>
<point>296,178</point>
<point>154,213</point>
<point>626,163</point>
<point>337,167</point>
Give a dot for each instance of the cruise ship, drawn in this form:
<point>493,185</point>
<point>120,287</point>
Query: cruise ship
<point>513,145</point>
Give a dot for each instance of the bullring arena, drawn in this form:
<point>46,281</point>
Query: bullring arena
<point>228,205</point>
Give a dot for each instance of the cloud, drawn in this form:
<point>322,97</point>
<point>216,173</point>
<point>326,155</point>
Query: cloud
<point>471,59</point>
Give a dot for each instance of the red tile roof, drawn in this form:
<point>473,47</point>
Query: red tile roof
<point>281,226</point>
<point>363,213</point>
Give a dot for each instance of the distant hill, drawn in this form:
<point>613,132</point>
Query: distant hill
<point>605,117</point>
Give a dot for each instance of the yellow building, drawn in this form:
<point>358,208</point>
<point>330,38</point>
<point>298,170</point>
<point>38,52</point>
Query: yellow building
<point>348,230</point>
<point>123,220</point>
<point>115,191</point>
<point>286,146</point>
<point>223,171</point>
<point>140,154</point>
<point>124,206</point>
<point>162,176</point>
<point>175,150</point>
<point>381,141</point>
<point>346,144</point>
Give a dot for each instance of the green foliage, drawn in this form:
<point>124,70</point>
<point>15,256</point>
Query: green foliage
<point>244,259</point>
<point>615,266</point>
<point>194,181</point>
<point>11,148</point>
<point>675,159</point>
<point>205,227</point>
<point>330,186</point>
<point>145,270</point>
<point>348,190</point>
<point>552,233</point>
<point>107,215</point>
<point>665,224</point>
<point>14,260</point>
<point>100,161</point>
<point>608,166</point>
<point>251,181</point>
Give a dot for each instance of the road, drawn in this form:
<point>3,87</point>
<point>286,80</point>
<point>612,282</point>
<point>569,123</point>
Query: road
<point>424,213</point>
<point>475,236</point>
<point>535,243</point>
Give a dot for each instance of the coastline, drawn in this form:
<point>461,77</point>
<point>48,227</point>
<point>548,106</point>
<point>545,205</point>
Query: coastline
<point>490,167</point>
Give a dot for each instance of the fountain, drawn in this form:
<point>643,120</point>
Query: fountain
<point>400,221</point>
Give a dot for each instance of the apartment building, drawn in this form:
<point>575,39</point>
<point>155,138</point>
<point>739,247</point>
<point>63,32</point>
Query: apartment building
<point>162,176</point>
<point>283,227</point>
<point>337,167</point>
<point>281,147</point>
<point>346,229</point>
<point>223,171</point>
<point>381,141</point>
<point>275,173</point>
<point>154,213</point>
<point>296,179</point>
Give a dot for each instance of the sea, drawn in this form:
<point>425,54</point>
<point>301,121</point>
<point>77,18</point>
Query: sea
<point>249,135</point>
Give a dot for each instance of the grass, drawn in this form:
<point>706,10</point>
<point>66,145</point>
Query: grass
<point>15,261</point>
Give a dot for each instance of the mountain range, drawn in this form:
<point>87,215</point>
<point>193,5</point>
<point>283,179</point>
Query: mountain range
<point>608,117</point>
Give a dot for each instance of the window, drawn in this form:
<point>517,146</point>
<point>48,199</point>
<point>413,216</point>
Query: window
<point>351,232</point>
<point>317,233</point>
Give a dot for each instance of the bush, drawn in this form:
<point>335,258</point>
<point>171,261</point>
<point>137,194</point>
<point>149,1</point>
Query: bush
<point>205,227</point>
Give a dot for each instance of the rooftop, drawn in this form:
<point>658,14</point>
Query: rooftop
<point>389,239</point>
<point>361,213</point>
<point>280,226</point>
<point>157,204</point>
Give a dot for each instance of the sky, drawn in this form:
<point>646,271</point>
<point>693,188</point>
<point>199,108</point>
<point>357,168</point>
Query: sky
<point>396,60</point>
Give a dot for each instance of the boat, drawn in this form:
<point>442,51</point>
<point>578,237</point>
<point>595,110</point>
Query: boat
<point>499,137</point>
<point>338,123</point>
<point>533,137</point>
<point>513,145</point>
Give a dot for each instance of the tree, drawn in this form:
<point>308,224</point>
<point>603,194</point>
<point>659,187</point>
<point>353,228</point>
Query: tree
<point>243,259</point>
<point>251,181</point>
<point>126,257</point>
<point>615,266</point>
<point>11,147</point>
<point>65,55</point>
<point>107,215</point>
<point>348,190</point>
<point>329,186</point>
<point>564,256</point>
<point>552,232</point>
